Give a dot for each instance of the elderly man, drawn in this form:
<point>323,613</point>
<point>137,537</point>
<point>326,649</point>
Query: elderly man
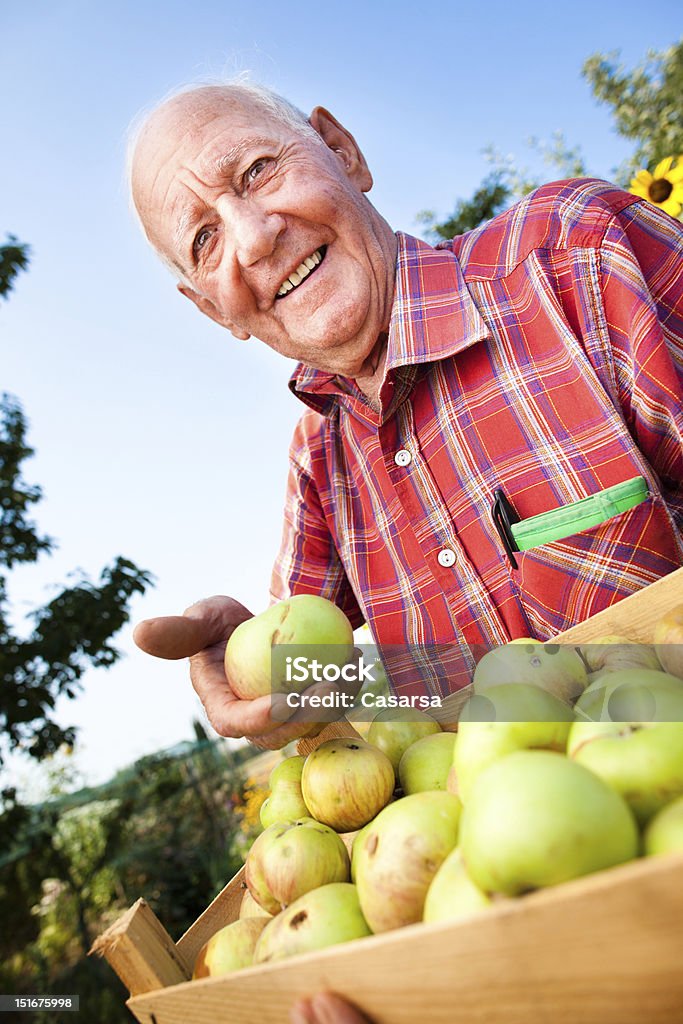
<point>492,445</point>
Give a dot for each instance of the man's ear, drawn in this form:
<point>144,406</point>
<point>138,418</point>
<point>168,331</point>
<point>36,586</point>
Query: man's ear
<point>341,142</point>
<point>207,307</point>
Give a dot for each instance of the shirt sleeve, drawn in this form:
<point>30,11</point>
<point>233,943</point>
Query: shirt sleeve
<point>308,562</point>
<point>641,271</point>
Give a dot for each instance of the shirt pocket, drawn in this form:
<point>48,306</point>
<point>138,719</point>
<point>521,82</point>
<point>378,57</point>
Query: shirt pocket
<point>563,522</point>
<point>564,577</point>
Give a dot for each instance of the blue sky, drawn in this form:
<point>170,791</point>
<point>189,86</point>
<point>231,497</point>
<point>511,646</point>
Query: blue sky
<point>159,436</point>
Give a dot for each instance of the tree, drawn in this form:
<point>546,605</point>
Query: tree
<point>492,196</point>
<point>75,629</point>
<point>646,103</point>
<point>14,256</point>
<point>646,108</point>
<point>78,860</point>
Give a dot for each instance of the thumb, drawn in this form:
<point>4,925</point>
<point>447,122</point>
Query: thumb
<point>203,624</point>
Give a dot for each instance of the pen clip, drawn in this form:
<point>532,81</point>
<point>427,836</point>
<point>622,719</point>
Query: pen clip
<point>504,516</point>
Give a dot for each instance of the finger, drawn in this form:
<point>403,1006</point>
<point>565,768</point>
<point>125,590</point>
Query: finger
<point>280,733</point>
<point>239,719</point>
<point>170,636</point>
<point>327,1008</point>
<point>301,1012</point>
<point>316,713</point>
<point>287,733</point>
<point>230,716</point>
<point>280,737</point>
<point>202,624</point>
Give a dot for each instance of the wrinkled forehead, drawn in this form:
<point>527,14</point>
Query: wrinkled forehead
<point>187,134</point>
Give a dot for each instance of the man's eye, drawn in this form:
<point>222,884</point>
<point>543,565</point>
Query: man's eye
<point>201,240</point>
<point>256,168</point>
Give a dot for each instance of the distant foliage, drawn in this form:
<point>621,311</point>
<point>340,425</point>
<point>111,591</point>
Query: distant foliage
<point>646,106</point>
<point>646,103</point>
<point>14,257</point>
<point>165,829</point>
<point>492,196</point>
<point>74,630</point>
<point>248,810</point>
<point>71,632</point>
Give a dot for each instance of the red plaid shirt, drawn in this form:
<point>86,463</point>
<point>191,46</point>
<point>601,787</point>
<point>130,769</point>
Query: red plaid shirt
<point>541,354</point>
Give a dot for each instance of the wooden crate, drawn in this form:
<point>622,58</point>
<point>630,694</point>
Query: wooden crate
<point>605,949</point>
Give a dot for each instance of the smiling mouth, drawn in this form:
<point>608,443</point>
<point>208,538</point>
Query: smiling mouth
<point>304,270</point>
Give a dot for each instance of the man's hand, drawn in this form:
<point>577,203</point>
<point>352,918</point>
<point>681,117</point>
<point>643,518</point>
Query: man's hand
<point>326,1008</point>
<point>201,634</point>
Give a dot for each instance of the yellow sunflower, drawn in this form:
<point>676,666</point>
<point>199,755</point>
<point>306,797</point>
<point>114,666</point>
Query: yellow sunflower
<point>664,188</point>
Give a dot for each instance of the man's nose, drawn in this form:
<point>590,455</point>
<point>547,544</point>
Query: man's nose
<point>250,231</point>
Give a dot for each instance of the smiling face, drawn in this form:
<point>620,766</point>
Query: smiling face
<point>269,228</point>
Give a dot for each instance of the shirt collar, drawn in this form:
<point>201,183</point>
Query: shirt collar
<point>433,316</point>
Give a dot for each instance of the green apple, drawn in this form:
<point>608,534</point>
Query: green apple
<point>399,855</point>
<point>374,689</point>
<point>356,847</point>
<point>309,626</point>
<point>288,860</point>
<point>535,818</point>
<point>452,784</point>
<point>632,695</point>
<point>426,763</point>
<point>323,917</point>
<point>641,760</point>
<point>516,702</point>
<point>394,730</point>
<point>286,802</point>
<point>612,653</point>
<point>250,908</point>
<point>289,770</point>
<point>229,949</point>
<point>481,743</point>
<point>345,782</point>
<point>361,725</point>
<point>559,670</point>
<point>452,893</point>
<point>664,833</point>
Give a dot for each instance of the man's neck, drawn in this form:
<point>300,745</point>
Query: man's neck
<point>371,377</point>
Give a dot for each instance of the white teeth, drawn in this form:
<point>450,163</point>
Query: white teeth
<point>302,271</point>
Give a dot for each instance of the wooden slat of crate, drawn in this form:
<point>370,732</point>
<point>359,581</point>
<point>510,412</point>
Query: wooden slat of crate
<point>635,617</point>
<point>221,911</point>
<point>606,949</point>
<point>142,952</point>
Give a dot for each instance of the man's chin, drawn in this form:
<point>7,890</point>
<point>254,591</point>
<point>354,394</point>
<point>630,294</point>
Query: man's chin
<point>332,344</point>
<point>333,361</point>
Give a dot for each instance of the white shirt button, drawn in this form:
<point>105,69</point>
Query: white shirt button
<point>403,457</point>
<point>446,557</point>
